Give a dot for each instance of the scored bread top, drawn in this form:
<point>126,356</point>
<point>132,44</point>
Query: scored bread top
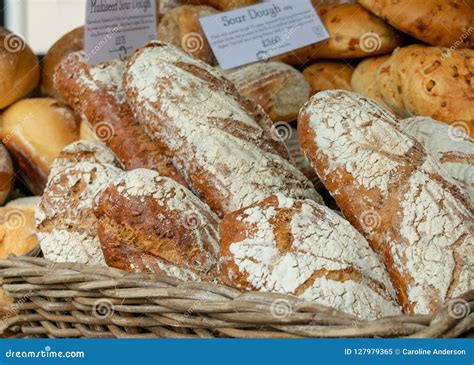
<point>397,196</point>
<point>218,140</point>
<point>299,247</point>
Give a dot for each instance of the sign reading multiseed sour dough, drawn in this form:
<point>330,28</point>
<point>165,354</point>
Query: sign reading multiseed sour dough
<point>116,28</point>
<point>259,32</point>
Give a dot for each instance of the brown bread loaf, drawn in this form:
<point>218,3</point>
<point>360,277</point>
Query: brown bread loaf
<point>301,248</point>
<point>446,23</point>
<point>149,223</point>
<point>219,140</point>
<point>7,175</point>
<point>328,75</point>
<point>396,195</point>
<point>279,89</point>
<point>96,94</point>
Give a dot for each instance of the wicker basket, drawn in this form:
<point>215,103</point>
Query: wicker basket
<point>72,300</point>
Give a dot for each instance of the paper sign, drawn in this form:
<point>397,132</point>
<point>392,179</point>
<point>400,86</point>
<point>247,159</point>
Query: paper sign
<point>259,32</point>
<point>116,28</point>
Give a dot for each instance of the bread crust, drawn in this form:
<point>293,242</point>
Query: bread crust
<point>328,75</point>
<point>7,175</point>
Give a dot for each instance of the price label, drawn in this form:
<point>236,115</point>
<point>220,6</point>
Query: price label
<point>116,28</point>
<point>261,31</point>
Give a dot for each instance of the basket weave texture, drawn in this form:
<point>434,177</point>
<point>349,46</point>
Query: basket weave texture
<point>73,300</point>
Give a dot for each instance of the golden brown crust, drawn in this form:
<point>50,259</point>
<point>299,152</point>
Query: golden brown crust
<point>17,231</point>
<point>446,23</point>
<point>70,42</point>
<point>7,176</point>
<point>222,4</point>
<point>327,75</point>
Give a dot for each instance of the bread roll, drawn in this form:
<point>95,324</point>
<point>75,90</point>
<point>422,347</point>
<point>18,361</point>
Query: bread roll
<point>445,23</point>
<point>430,81</point>
<point>354,33</point>
<point>149,223</point>
<point>279,89</point>
<point>70,42</point>
<point>96,93</point>
<point>29,203</point>
<point>301,248</point>
<point>394,194</point>
<point>181,27</point>
<point>452,149</point>
<point>364,78</point>
<point>328,75</point>
<point>218,140</point>
<point>222,4</point>
<point>86,133</point>
<point>34,132</point>
<point>19,69</point>
<point>7,175</point>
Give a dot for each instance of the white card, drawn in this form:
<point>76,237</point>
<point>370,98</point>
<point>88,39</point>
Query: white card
<point>116,28</point>
<point>259,32</point>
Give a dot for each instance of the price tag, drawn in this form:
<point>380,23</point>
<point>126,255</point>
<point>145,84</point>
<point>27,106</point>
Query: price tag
<point>116,28</point>
<point>259,32</point>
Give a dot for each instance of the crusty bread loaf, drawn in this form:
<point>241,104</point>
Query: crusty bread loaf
<point>394,194</point>
<point>222,4</point>
<point>34,131</point>
<point>96,94</point>
<point>278,88</point>
<point>354,32</point>
<point>430,81</point>
<point>181,27</point>
<point>328,75</point>
<point>299,247</point>
<point>218,139</point>
<point>19,68</point>
<point>149,223</point>
<point>364,79</point>
<point>452,149</point>
<point>66,224</point>
<point>7,175</point>
<point>70,42</point>
<point>447,23</point>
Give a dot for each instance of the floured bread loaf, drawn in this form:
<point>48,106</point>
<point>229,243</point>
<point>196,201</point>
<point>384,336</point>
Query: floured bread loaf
<point>413,215</point>
<point>149,223</point>
<point>299,247</point>
<point>96,93</point>
<point>452,149</point>
<point>67,227</point>
<point>278,88</point>
<point>219,140</point>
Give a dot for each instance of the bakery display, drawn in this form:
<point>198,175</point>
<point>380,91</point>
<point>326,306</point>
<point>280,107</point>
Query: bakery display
<point>19,69</point>
<point>34,131</point>
<point>328,75</point>
<point>7,174</point>
<point>395,194</point>
<point>444,23</point>
<point>278,88</point>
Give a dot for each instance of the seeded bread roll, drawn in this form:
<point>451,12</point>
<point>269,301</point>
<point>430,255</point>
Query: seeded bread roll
<point>364,79</point>
<point>34,131</point>
<point>218,139</point>
<point>446,23</point>
<point>96,93</point>
<point>279,89</point>
<point>450,147</point>
<point>301,248</point>
<point>72,41</point>
<point>66,224</point>
<point>328,75</point>
<point>430,81</point>
<point>181,27</point>
<point>222,4</point>
<point>19,68</point>
<point>354,33</point>
<point>7,175</point>
<point>411,213</point>
<point>149,223</point>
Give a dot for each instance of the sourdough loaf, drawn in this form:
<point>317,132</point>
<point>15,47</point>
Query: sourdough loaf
<point>298,247</point>
<point>413,215</point>
<point>279,89</point>
<point>96,93</point>
<point>450,147</point>
<point>328,75</point>
<point>218,139</point>
<point>149,223</point>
